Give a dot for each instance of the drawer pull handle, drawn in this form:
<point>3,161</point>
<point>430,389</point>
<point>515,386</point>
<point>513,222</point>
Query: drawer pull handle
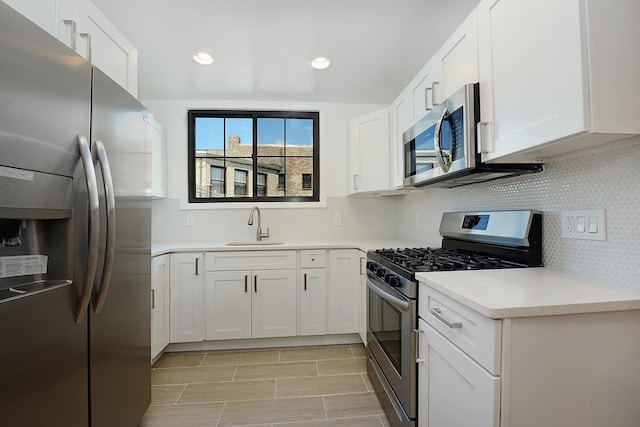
<point>437,313</point>
<point>305,281</point>
<point>246,279</point>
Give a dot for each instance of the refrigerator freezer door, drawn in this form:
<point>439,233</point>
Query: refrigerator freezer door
<point>45,103</point>
<point>120,332</point>
<point>43,362</point>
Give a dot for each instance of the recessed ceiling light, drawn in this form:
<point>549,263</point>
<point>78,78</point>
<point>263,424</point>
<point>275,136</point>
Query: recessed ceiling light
<point>320,62</point>
<point>203,58</point>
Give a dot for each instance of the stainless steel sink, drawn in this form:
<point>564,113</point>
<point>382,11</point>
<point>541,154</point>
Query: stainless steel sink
<point>256,243</point>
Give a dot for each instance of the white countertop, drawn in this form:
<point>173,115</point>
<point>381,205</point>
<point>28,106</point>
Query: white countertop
<point>523,292</point>
<point>365,245</point>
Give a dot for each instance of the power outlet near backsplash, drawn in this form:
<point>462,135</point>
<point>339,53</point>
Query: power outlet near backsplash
<point>584,224</point>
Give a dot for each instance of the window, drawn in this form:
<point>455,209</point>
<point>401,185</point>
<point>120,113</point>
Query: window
<point>217,182</point>
<point>240,183</point>
<point>306,181</point>
<point>261,188</point>
<point>249,156</point>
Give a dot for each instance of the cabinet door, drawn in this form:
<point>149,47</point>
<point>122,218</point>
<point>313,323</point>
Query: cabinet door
<point>362,327</point>
<point>158,162</point>
<point>449,380</point>
<point>159,304</point>
<point>344,291</point>
<point>369,153</point>
<point>401,120</point>
<point>273,303</point>
<point>228,305</point>
<point>421,90</point>
<point>533,82</point>
<point>456,62</point>
<point>105,47</point>
<point>57,17</point>
<point>186,290</point>
<point>313,301</point>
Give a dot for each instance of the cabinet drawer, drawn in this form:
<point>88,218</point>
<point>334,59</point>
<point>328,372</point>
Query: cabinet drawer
<point>250,260</point>
<point>478,336</point>
<point>310,258</point>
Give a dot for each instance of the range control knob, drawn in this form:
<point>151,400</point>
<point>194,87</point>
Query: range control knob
<point>371,266</point>
<point>380,272</point>
<point>394,281</point>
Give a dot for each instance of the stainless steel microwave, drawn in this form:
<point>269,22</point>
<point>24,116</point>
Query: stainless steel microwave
<point>441,148</point>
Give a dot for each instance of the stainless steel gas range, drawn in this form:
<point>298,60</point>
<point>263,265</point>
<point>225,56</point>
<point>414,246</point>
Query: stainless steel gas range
<point>471,241</point>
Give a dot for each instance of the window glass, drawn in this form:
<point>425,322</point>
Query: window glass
<point>253,156</point>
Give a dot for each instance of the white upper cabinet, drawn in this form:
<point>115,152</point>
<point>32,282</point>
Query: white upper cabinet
<point>456,62</point>
<point>82,27</point>
<point>158,162</point>
<point>369,153</point>
<point>401,120</point>
<point>104,46</point>
<point>421,92</point>
<point>57,17</point>
<point>556,71</point>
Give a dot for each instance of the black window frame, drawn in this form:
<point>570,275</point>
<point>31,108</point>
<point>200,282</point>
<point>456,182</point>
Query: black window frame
<point>254,115</point>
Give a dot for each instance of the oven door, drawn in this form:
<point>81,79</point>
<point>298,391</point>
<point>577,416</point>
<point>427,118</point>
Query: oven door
<point>390,333</point>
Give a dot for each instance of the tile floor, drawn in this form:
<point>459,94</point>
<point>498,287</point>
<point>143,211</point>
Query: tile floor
<point>293,387</point>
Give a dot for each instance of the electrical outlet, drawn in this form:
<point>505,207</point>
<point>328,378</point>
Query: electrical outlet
<point>418,219</point>
<point>191,220</point>
<point>584,224</point>
<point>337,219</point>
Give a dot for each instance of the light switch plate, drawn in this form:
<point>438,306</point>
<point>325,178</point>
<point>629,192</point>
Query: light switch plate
<point>590,220</point>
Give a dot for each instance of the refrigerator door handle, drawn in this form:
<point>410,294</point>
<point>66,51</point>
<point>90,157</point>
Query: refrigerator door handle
<point>110,244</point>
<point>94,228</point>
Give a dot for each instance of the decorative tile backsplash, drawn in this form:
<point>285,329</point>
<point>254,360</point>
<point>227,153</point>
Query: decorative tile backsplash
<point>608,179</point>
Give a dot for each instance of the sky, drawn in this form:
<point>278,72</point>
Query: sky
<point>210,131</point>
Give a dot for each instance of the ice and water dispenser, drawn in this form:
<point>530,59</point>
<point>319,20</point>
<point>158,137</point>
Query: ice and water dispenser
<point>36,232</point>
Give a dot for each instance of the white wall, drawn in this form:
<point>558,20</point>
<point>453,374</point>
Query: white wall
<point>608,179</point>
<point>228,221</point>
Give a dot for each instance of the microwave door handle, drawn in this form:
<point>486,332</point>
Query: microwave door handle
<point>93,228</point>
<point>109,250</point>
<point>436,141</point>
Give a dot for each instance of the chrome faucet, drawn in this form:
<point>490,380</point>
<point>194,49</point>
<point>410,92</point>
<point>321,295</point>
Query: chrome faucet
<point>259,234</point>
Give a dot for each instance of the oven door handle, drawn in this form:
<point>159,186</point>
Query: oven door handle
<point>399,303</point>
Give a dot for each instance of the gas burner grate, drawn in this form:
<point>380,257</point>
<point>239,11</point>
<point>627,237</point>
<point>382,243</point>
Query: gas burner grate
<point>428,259</point>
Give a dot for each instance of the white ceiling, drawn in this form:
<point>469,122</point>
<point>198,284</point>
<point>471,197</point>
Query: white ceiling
<point>262,48</point>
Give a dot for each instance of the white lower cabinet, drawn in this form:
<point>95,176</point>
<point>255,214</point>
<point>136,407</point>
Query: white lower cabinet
<point>362,327</point>
<point>344,291</point>
<point>228,304</point>
<point>573,369</point>
<point>449,380</point>
<point>265,294</point>
<point>313,301</point>
<point>273,304</point>
<point>159,304</point>
<point>187,290</point>
<point>258,303</point>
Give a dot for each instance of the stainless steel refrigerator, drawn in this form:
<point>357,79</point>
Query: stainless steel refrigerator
<point>75,214</point>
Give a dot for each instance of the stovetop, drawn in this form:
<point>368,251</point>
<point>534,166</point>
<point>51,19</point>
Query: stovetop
<point>429,259</point>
